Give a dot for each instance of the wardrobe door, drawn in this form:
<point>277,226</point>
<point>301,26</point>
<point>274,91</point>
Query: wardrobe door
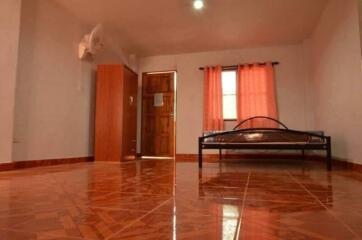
<point>129,114</point>
<point>108,117</point>
<point>133,117</point>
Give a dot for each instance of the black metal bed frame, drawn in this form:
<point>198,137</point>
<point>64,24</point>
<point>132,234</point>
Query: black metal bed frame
<point>325,143</point>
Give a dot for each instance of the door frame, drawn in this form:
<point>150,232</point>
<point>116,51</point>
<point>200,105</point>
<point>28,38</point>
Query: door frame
<point>174,111</point>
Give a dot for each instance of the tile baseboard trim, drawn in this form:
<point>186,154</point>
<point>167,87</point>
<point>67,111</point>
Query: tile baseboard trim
<point>212,158</point>
<point>42,163</point>
<point>347,164</point>
<point>245,156</point>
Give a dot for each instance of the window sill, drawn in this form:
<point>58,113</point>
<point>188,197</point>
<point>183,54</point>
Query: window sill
<point>230,120</point>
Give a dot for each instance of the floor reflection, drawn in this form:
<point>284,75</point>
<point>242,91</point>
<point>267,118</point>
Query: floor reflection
<point>143,200</point>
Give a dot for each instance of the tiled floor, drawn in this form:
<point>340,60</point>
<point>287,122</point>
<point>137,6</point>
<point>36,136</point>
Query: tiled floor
<point>248,200</point>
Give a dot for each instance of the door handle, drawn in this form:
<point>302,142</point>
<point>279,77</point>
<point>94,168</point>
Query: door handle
<point>131,100</point>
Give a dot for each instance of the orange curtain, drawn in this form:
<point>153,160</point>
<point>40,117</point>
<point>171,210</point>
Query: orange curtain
<point>213,114</point>
<point>256,95</point>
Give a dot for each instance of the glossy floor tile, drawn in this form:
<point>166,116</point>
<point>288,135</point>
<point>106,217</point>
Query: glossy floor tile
<point>154,199</point>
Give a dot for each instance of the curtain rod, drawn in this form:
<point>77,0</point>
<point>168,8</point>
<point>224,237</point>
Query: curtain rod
<point>234,67</point>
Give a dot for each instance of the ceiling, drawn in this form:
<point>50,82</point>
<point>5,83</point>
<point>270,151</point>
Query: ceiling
<point>158,27</point>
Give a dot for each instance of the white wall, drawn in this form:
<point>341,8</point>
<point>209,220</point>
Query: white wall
<point>9,39</point>
<point>337,79</point>
<point>291,79</point>
<point>55,91</point>
<point>360,20</point>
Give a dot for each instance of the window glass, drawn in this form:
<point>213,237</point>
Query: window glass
<point>229,94</point>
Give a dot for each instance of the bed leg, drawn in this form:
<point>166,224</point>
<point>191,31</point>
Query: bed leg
<point>329,154</point>
<point>200,152</point>
<point>220,157</point>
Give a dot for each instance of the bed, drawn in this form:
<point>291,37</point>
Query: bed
<point>246,136</point>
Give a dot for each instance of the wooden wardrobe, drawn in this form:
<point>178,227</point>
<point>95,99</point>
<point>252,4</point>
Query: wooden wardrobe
<point>116,113</point>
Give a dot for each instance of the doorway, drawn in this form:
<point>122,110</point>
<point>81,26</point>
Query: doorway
<point>158,114</point>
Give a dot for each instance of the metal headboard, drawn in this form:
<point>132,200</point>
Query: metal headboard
<point>260,117</point>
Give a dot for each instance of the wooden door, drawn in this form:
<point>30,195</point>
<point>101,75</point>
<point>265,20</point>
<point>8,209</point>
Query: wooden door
<point>158,125</point>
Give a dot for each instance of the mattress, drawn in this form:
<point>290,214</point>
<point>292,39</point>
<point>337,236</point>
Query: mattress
<point>274,136</point>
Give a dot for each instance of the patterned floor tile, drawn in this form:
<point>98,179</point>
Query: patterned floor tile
<point>124,200</point>
<point>158,226</point>
<point>135,200</point>
<point>308,222</point>
<point>81,222</point>
<point>16,235</point>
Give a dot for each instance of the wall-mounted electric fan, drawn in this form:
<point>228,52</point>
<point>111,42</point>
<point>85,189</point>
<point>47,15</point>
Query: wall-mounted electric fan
<point>91,43</point>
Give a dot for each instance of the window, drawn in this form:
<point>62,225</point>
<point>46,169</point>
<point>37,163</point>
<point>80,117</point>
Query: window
<point>228,79</point>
